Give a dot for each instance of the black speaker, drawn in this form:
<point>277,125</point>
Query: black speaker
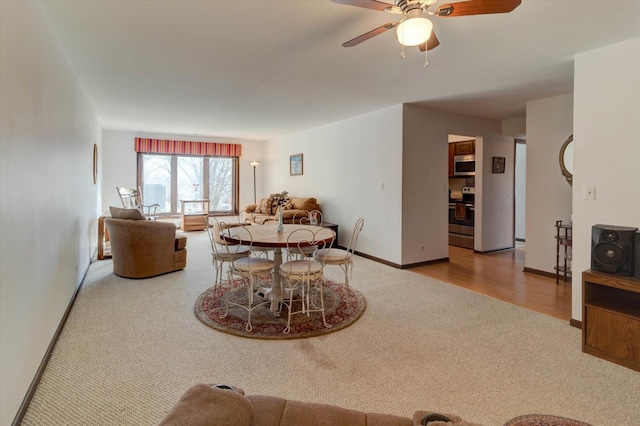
<point>613,249</point>
<point>637,263</point>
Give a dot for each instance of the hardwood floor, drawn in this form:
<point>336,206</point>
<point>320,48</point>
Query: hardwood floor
<point>501,275</point>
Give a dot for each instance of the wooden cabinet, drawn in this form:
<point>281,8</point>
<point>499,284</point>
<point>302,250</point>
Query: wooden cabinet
<point>465,147</point>
<point>194,215</point>
<point>452,153</point>
<point>460,148</point>
<point>104,245</point>
<point>334,228</point>
<point>564,246</point>
<point>611,318</point>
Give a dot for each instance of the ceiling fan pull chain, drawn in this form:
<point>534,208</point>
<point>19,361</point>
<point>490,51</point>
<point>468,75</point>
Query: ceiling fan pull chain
<point>426,58</point>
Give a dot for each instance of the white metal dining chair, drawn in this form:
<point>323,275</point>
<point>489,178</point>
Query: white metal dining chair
<point>260,251</point>
<point>221,254</point>
<point>340,257</point>
<point>302,280</point>
<point>248,269</point>
<point>314,217</point>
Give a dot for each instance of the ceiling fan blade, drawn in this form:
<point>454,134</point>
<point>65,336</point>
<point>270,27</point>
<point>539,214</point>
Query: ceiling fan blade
<point>368,4</point>
<point>370,34</point>
<point>477,7</point>
<point>432,43</point>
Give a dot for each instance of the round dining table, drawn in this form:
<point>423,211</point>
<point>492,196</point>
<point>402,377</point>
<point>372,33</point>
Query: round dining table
<point>267,235</point>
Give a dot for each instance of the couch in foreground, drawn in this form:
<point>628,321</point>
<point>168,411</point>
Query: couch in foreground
<point>206,405</point>
<point>145,248</point>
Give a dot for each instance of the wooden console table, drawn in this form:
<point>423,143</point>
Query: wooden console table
<point>334,228</point>
<point>194,219</point>
<point>104,245</point>
<point>611,318</point>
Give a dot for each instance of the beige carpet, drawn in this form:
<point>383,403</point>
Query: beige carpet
<point>131,348</point>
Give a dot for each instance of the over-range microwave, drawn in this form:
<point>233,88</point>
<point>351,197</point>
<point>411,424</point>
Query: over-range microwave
<point>464,165</point>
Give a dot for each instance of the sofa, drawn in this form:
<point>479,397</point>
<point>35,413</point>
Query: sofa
<point>266,208</point>
<point>143,248</point>
<point>223,405</point>
<point>204,405</point>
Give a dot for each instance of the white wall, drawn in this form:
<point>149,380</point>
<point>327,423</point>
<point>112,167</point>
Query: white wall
<point>549,124</point>
<point>120,168</point>
<point>425,182</point>
<point>515,127</point>
<point>346,165</point>
<point>390,166</point>
<point>606,147</point>
<point>48,200</point>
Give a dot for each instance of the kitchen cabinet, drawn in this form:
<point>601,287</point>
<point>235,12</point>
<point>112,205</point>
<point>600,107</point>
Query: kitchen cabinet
<point>452,153</point>
<point>465,148</point>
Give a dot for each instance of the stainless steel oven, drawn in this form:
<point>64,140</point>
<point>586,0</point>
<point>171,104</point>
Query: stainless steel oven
<point>462,217</point>
<point>461,214</point>
<point>464,165</point>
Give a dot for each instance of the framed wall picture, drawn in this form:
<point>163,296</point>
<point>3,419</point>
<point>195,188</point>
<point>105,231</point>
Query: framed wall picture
<point>296,165</point>
<point>498,165</point>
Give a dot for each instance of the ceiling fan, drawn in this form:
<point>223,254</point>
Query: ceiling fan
<point>414,29</point>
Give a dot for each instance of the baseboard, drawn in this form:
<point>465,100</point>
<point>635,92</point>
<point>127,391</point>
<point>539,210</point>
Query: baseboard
<point>377,259</point>
<point>398,266</point>
<point>543,273</point>
<point>425,263</point>
<point>575,323</point>
<point>47,355</point>
<point>493,251</point>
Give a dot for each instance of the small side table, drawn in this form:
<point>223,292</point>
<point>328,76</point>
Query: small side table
<point>195,219</point>
<point>334,228</point>
<point>564,243</point>
<point>104,245</point>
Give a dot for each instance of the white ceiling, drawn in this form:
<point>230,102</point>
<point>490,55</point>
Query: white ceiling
<point>256,69</point>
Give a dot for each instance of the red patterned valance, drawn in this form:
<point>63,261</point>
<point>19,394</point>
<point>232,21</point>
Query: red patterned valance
<point>164,146</point>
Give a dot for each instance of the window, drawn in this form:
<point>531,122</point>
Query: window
<point>167,179</point>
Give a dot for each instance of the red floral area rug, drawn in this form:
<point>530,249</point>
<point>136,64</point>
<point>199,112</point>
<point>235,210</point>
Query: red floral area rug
<point>544,420</point>
<point>341,310</point>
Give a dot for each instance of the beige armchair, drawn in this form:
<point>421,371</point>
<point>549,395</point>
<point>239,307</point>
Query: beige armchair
<point>142,249</point>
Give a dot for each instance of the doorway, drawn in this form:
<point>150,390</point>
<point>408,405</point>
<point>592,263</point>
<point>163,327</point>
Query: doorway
<point>520,193</point>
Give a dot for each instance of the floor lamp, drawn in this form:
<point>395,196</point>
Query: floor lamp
<point>254,164</point>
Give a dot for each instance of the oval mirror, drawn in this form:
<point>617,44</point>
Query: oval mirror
<point>566,160</point>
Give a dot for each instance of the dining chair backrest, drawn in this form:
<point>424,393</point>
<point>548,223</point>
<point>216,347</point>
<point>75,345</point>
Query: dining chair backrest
<point>313,217</point>
<point>357,228</point>
<point>235,232</point>
<point>218,228</point>
<point>219,247</point>
<point>303,238</point>
<point>212,239</point>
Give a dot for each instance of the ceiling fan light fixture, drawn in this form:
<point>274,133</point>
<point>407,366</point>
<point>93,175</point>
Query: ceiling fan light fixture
<point>414,31</point>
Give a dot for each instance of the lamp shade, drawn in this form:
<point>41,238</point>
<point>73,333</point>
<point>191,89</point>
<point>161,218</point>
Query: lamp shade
<point>414,31</point>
